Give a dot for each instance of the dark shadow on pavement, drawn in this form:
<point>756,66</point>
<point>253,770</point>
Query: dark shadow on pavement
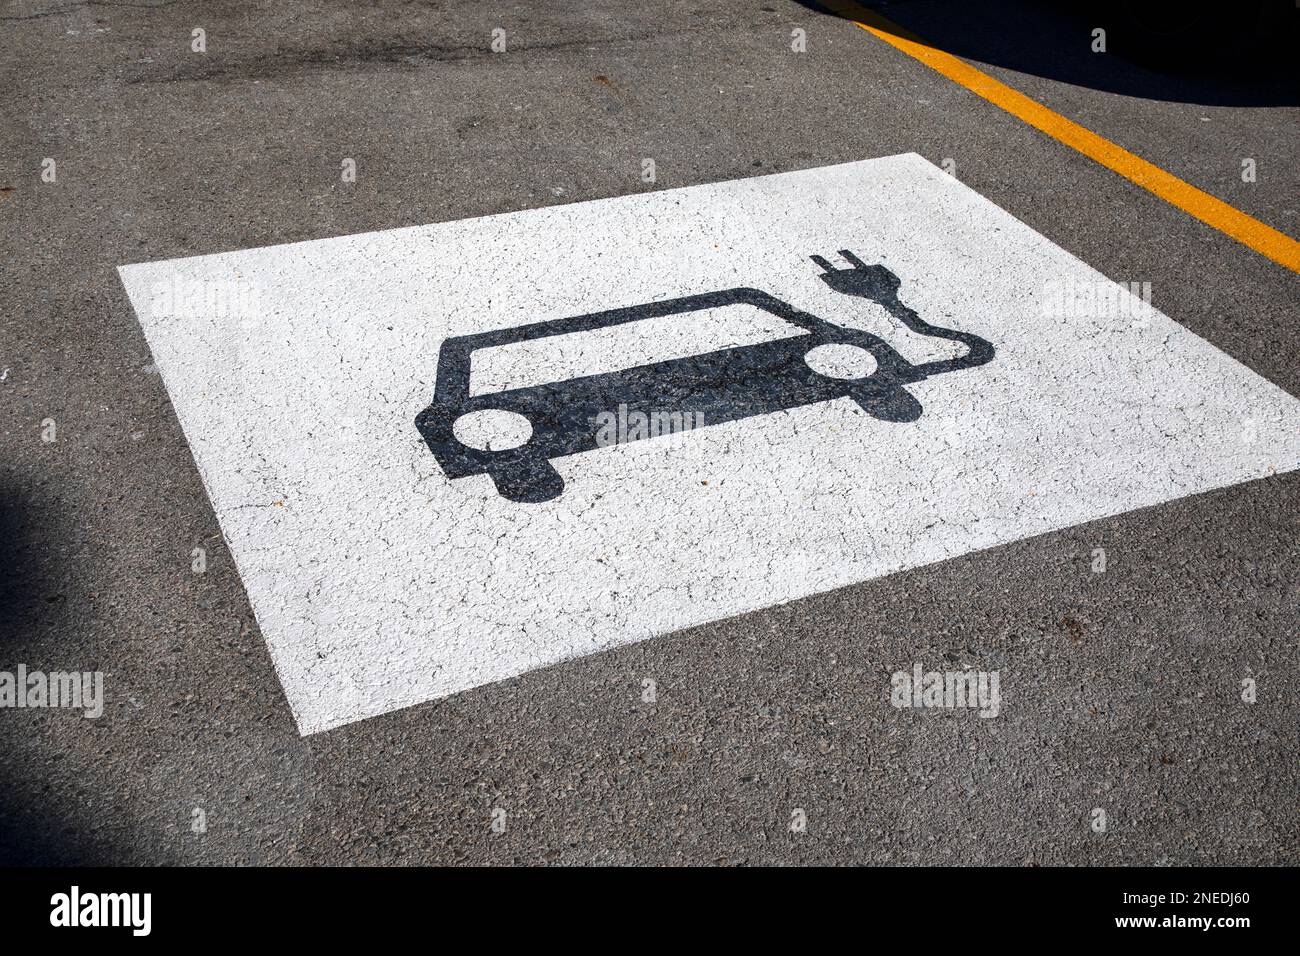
<point>30,595</point>
<point>32,604</point>
<point>1214,54</point>
<point>31,834</point>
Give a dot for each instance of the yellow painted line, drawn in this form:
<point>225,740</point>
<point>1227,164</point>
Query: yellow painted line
<point>1247,230</point>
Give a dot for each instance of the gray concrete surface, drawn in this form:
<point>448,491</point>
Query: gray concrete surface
<point>1120,690</point>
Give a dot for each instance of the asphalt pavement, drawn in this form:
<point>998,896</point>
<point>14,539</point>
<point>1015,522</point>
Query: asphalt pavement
<point>1121,690</point>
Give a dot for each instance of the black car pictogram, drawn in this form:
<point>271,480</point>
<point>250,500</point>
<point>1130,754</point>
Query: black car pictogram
<point>719,386</point>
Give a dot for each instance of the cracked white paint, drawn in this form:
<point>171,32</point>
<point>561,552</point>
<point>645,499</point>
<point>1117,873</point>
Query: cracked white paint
<point>379,583</point>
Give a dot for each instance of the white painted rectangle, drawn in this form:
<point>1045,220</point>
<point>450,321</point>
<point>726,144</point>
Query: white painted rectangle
<point>379,582</point>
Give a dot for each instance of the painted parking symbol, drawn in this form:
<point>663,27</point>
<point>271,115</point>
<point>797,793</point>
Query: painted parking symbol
<point>439,454</point>
<point>722,386</point>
